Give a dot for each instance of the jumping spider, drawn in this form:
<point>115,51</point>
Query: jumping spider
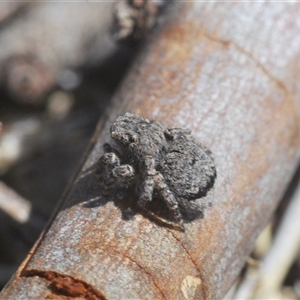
<point>169,163</point>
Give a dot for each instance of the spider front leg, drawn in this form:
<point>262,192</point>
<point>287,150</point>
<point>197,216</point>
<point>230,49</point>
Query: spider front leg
<point>153,178</point>
<point>106,163</point>
<point>114,177</point>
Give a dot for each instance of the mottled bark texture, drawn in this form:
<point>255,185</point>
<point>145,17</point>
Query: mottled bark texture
<point>229,72</point>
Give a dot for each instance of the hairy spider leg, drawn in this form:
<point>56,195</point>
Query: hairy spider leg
<point>169,198</point>
<point>170,133</point>
<point>113,176</point>
<point>147,186</point>
<point>107,161</point>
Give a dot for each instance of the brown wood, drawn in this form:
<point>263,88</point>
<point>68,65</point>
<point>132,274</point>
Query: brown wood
<point>229,72</point>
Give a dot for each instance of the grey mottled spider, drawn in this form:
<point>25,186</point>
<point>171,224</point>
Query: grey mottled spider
<point>169,163</point>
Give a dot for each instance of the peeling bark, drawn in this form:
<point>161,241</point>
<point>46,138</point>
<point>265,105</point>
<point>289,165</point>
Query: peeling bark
<point>66,285</point>
<point>224,71</point>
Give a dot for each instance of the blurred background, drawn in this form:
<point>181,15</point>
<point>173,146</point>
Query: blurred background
<point>59,66</point>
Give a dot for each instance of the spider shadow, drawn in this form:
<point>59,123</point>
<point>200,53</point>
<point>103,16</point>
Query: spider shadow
<point>87,192</point>
<point>156,211</point>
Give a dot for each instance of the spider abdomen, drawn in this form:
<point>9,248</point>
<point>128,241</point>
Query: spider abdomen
<point>187,168</point>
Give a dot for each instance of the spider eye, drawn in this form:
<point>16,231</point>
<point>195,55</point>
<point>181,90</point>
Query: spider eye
<point>133,138</point>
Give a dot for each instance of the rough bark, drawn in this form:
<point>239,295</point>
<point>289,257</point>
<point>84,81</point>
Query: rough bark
<point>229,72</point>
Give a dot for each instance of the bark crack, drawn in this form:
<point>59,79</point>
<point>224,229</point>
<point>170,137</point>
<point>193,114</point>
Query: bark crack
<point>144,270</point>
<point>281,85</point>
<point>66,285</point>
<point>202,286</point>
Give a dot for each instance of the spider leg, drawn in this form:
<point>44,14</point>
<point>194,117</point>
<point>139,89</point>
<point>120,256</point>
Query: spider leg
<point>171,133</point>
<point>112,176</point>
<point>146,191</point>
<point>125,173</point>
<point>146,187</point>
<point>108,148</point>
<point>169,198</point>
<point>106,163</point>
